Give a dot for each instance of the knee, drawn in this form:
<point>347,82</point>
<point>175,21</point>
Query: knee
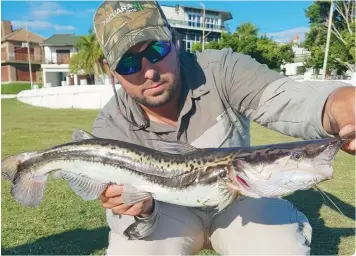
<point>270,227</point>
<point>169,246</point>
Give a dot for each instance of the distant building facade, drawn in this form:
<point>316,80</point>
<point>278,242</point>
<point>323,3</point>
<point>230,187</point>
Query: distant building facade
<point>296,69</point>
<point>14,54</point>
<point>188,22</point>
<point>58,50</point>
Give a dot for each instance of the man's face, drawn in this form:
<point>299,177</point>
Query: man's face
<point>155,84</point>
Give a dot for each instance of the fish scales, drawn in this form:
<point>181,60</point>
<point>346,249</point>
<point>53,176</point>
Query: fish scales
<point>172,171</point>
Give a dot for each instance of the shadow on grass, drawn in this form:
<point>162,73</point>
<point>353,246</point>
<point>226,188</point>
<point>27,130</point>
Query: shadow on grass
<point>74,242</point>
<point>325,240</point>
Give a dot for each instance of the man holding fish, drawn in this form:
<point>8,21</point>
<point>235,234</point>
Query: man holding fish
<point>205,100</point>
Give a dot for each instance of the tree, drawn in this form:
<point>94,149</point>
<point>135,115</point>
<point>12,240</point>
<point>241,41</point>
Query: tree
<point>245,40</point>
<point>89,57</point>
<point>78,65</point>
<point>271,53</point>
<point>342,40</point>
<point>246,35</point>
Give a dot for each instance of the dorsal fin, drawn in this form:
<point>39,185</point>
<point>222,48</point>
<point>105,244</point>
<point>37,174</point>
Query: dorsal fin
<point>174,147</point>
<point>79,135</point>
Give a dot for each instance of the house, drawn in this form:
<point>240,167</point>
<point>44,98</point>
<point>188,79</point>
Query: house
<point>15,60</point>
<point>188,22</point>
<point>296,69</point>
<point>58,49</point>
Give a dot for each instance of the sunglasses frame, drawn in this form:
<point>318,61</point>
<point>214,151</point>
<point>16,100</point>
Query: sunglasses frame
<point>142,54</point>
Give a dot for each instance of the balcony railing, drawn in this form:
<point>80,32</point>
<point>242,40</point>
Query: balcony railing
<point>20,57</point>
<point>197,25</point>
<point>58,59</point>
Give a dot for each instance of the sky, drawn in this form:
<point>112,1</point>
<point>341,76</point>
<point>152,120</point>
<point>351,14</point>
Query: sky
<point>281,20</point>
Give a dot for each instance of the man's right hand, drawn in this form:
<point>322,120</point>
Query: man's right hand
<point>111,199</point>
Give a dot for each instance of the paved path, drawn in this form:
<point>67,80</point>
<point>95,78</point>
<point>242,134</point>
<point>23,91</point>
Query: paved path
<point>8,96</point>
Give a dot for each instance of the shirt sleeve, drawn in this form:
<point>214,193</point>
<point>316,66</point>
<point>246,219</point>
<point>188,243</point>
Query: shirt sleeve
<point>128,226</point>
<point>272,100</point>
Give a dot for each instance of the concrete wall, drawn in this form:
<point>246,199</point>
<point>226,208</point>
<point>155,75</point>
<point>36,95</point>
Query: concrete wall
<point>173,15</point>
<point>81,97</point>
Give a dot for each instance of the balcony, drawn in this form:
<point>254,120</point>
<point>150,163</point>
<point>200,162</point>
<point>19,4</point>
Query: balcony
<point>58,58</point>
<point>197,25</point>
<point>20,57</point>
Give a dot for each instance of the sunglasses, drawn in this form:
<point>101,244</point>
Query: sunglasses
<point>132,62</point>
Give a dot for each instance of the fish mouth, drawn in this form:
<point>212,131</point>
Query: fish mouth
<point>336,144</point>
<point>242,181</point>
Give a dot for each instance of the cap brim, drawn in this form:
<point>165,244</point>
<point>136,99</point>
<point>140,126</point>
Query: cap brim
<point>152,33</point>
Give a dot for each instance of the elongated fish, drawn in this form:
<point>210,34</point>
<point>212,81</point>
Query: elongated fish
<point>181,175</point>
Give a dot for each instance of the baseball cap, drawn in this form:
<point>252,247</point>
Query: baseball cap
<point>119,25</point>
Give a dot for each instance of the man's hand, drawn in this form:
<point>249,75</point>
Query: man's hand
<point>339,115</point>
<point>111,199</point>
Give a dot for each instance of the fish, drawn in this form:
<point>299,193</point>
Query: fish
<point>178,173</point>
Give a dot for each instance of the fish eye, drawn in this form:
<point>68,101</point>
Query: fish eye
<point>298,155</point>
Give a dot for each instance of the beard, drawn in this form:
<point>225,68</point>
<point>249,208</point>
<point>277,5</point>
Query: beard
<point>162,98</point>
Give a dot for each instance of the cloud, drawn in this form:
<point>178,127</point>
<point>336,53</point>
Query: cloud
<point>288,35</point>
<point>38,25</point>
<point>48,9</point>
<point>68,28</point>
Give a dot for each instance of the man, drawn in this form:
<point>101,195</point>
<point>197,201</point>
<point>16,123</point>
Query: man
<point>207,101</point>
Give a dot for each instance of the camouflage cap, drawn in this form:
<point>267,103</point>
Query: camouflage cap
<point>119,25</point>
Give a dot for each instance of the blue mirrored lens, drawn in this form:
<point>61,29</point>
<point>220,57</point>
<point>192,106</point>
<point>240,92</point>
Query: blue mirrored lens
<point>154,53</point>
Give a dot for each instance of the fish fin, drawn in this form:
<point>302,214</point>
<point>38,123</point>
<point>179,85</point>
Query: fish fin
<point>10,165</point>
<point>173,147</point>
<point>79,135</point>
<point>227,193</point>
<point>132,195</point>
<point>29,191</point>
<point>85,187</point>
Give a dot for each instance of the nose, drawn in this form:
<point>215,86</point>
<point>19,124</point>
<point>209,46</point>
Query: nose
<point>149,71</point>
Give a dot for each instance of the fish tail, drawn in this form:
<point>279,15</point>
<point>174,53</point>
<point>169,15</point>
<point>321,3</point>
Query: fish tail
<point>10,166</point>
<point>26,190</point>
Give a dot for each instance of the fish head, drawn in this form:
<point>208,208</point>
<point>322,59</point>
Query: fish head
<point>280,169</point>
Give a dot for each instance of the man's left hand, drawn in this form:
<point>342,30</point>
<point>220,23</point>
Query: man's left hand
<point>339,115</point>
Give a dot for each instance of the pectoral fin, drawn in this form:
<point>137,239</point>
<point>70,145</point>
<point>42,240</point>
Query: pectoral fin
<point>227,193</point>
<point>85,187</point>
<point>132,195</point>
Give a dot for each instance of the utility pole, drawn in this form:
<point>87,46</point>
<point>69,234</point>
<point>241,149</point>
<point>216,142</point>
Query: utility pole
<point>28,54</point>
<point>328,39</point>
<point>203,38</point>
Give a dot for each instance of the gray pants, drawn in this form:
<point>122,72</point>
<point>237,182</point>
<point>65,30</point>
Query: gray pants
<point>250,226</point>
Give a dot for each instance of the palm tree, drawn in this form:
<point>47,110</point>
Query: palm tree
<point>90,54</point>
<point>247,30</point>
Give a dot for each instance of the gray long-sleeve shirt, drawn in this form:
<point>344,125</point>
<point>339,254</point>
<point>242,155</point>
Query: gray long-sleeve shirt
<point>221,92</point>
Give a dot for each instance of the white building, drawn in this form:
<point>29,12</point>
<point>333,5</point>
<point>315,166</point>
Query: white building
<point>58,49</point>
<point>188,22</point>
<point>296,69</point>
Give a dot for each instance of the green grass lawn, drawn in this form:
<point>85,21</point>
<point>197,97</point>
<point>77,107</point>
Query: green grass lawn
<point>65,224</point>
<point>15,88</point>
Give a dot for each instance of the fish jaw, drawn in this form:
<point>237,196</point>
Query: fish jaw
<point>275,181</point>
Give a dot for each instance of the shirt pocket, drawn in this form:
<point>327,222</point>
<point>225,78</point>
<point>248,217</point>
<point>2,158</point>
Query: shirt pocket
<point>217,134</point>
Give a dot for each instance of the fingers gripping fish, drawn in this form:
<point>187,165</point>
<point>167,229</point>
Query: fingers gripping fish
<point>181,175</point>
